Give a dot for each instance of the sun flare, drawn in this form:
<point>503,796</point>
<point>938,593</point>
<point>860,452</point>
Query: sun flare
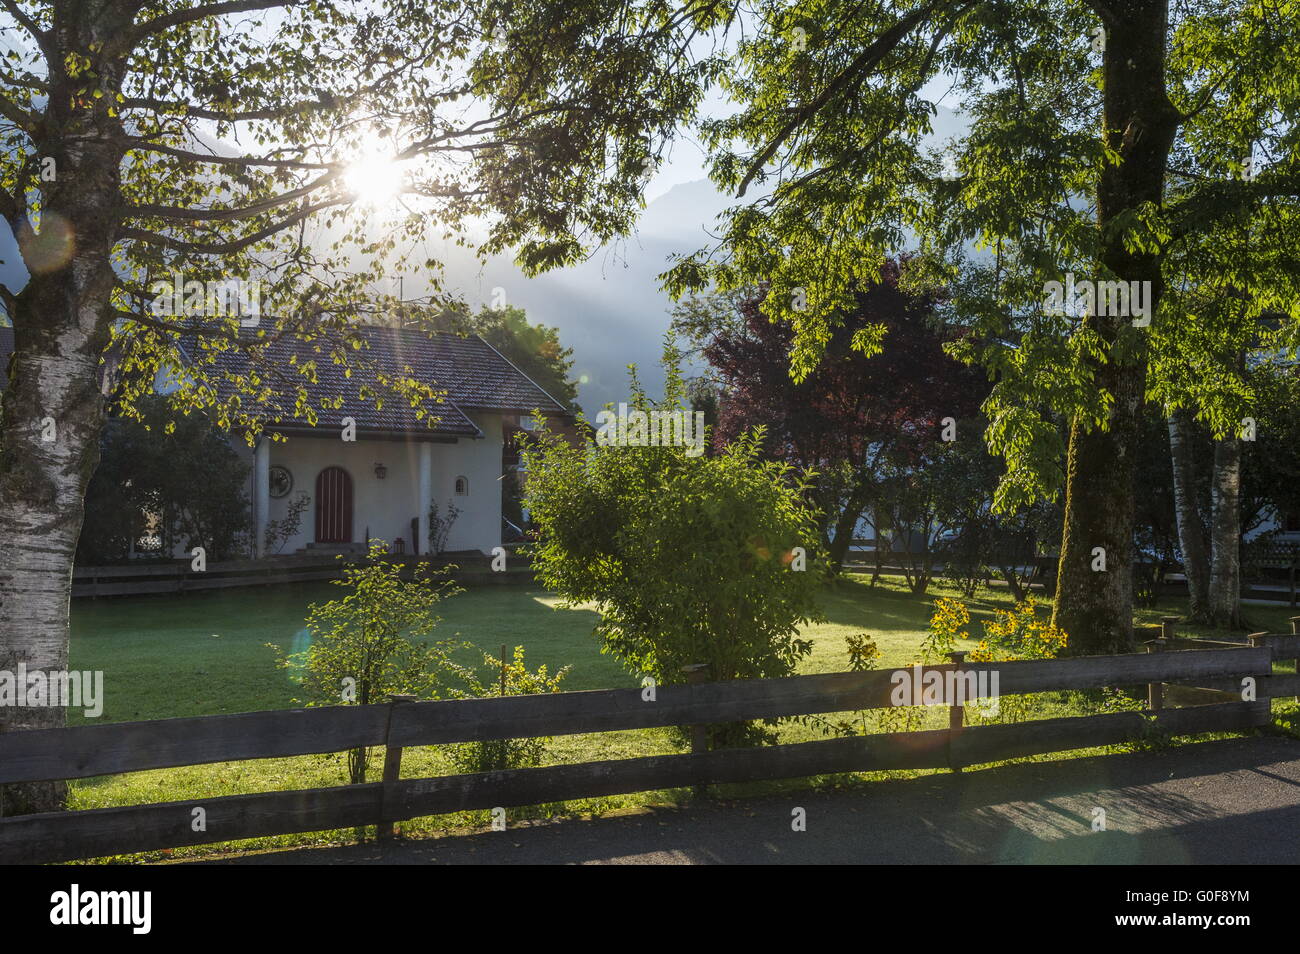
<point>375,179</point>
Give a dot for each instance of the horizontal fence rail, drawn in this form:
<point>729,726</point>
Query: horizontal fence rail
<point>177,576</point>
<point>84,751</point>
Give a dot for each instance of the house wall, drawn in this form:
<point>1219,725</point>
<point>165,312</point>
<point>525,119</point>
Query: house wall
<point>478,527</point>
<point>387,506</point>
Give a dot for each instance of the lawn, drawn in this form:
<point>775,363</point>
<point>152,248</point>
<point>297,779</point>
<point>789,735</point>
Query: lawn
<point>207,653</point>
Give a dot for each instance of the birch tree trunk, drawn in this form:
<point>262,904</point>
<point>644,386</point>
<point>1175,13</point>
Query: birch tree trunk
<point>49,446</point>
<point>1225,536</point>
<point>1187,511</point>
<point>53,408</point>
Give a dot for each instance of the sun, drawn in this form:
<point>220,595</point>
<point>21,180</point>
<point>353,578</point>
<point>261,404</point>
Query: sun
<point>374,178</point>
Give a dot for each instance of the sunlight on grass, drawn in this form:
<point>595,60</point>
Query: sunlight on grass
<point>206,653</point>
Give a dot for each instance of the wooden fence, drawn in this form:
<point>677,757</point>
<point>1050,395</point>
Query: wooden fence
<point>86,751</point>
<point>176,576</point>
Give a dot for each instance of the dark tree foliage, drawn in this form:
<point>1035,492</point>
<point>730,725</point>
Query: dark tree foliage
<point>853,413</point>
<point>1155,528</point>
<point>176,478</point>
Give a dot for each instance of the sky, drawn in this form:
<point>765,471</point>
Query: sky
<point>610,309</point>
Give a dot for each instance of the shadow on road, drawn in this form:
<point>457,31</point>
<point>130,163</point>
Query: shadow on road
<point>1211,803</point>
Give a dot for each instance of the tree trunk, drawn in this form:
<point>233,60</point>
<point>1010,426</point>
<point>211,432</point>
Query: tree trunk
<point>53,392</point>
<point>877,525</point>
<point>1094,589</point>
<point>1225,536</point>
<point>847,522</point>
<point>1014,585</point>
<point>1191,528</point>
<point>1094,607</point>
<point>53,409</point>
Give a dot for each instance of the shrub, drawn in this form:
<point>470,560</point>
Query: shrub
<point>281,531</point>
<point>375,641</point>
<point>1013,634</point>
<point>514,680</point>
<point>440,526</point>
<point>692,559</point>
<point>1019,633</point>
<point>947,623</point>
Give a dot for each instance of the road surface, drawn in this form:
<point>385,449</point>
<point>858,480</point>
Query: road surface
<point>1234,801</point>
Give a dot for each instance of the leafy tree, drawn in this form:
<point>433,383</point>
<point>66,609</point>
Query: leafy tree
<point>149,142</point>
<point>1225,488</point>
<point>691,559</point>
<point>851,415</point>
<point>1271,462</point>
<point>986,541</point>
<point>1115,140</point>
<point>375,641</point>
<point>181,473</point>
<point>935,501</point>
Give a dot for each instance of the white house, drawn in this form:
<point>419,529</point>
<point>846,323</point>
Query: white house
<point>378,477</point>
<point>382,482</point>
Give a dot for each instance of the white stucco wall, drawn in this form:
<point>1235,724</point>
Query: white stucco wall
<point>387,506</point>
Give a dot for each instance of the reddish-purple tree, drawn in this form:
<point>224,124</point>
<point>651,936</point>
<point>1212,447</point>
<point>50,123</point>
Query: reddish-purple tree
<point>853,412</point>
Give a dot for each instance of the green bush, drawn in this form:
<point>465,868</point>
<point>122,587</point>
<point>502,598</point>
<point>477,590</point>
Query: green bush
<point>514,679</point>
<point>691,559</point>
<point>375,641</point>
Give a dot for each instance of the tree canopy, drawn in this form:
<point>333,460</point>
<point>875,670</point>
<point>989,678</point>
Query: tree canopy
<point>854,411</point>
<point>1136,141</point>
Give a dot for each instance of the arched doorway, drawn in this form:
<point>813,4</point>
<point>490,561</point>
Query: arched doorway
<point>333,506</point>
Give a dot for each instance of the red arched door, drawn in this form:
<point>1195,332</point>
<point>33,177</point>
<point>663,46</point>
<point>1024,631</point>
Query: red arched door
<point>333,506</point>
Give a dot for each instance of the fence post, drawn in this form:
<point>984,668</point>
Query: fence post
<point>956,712</point>
<point>1167,628</point>
<point>1295,631</point>
<point>392,765</point>
<point>1155,690</point>
<point>695,674</point>
<point>1258,641</point>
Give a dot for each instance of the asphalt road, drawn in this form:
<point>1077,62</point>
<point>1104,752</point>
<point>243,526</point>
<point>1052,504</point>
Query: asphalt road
<point>1229,802</point>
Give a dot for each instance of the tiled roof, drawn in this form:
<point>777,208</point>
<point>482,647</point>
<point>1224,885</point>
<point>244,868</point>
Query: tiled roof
<point>474,375</point>
<point>6,348</point>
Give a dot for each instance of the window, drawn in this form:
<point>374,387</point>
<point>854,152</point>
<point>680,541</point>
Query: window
<point>462,487</point>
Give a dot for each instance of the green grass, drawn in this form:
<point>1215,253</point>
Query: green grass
<point>199,654</point>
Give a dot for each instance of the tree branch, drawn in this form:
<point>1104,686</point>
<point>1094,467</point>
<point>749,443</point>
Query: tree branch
<point>202,112</point>
<point>27,121</point>
<point>235,245</point>
<point>885,44</point>
<point>129,39</point>
<point>145,145</point>
<point>230,215</point>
